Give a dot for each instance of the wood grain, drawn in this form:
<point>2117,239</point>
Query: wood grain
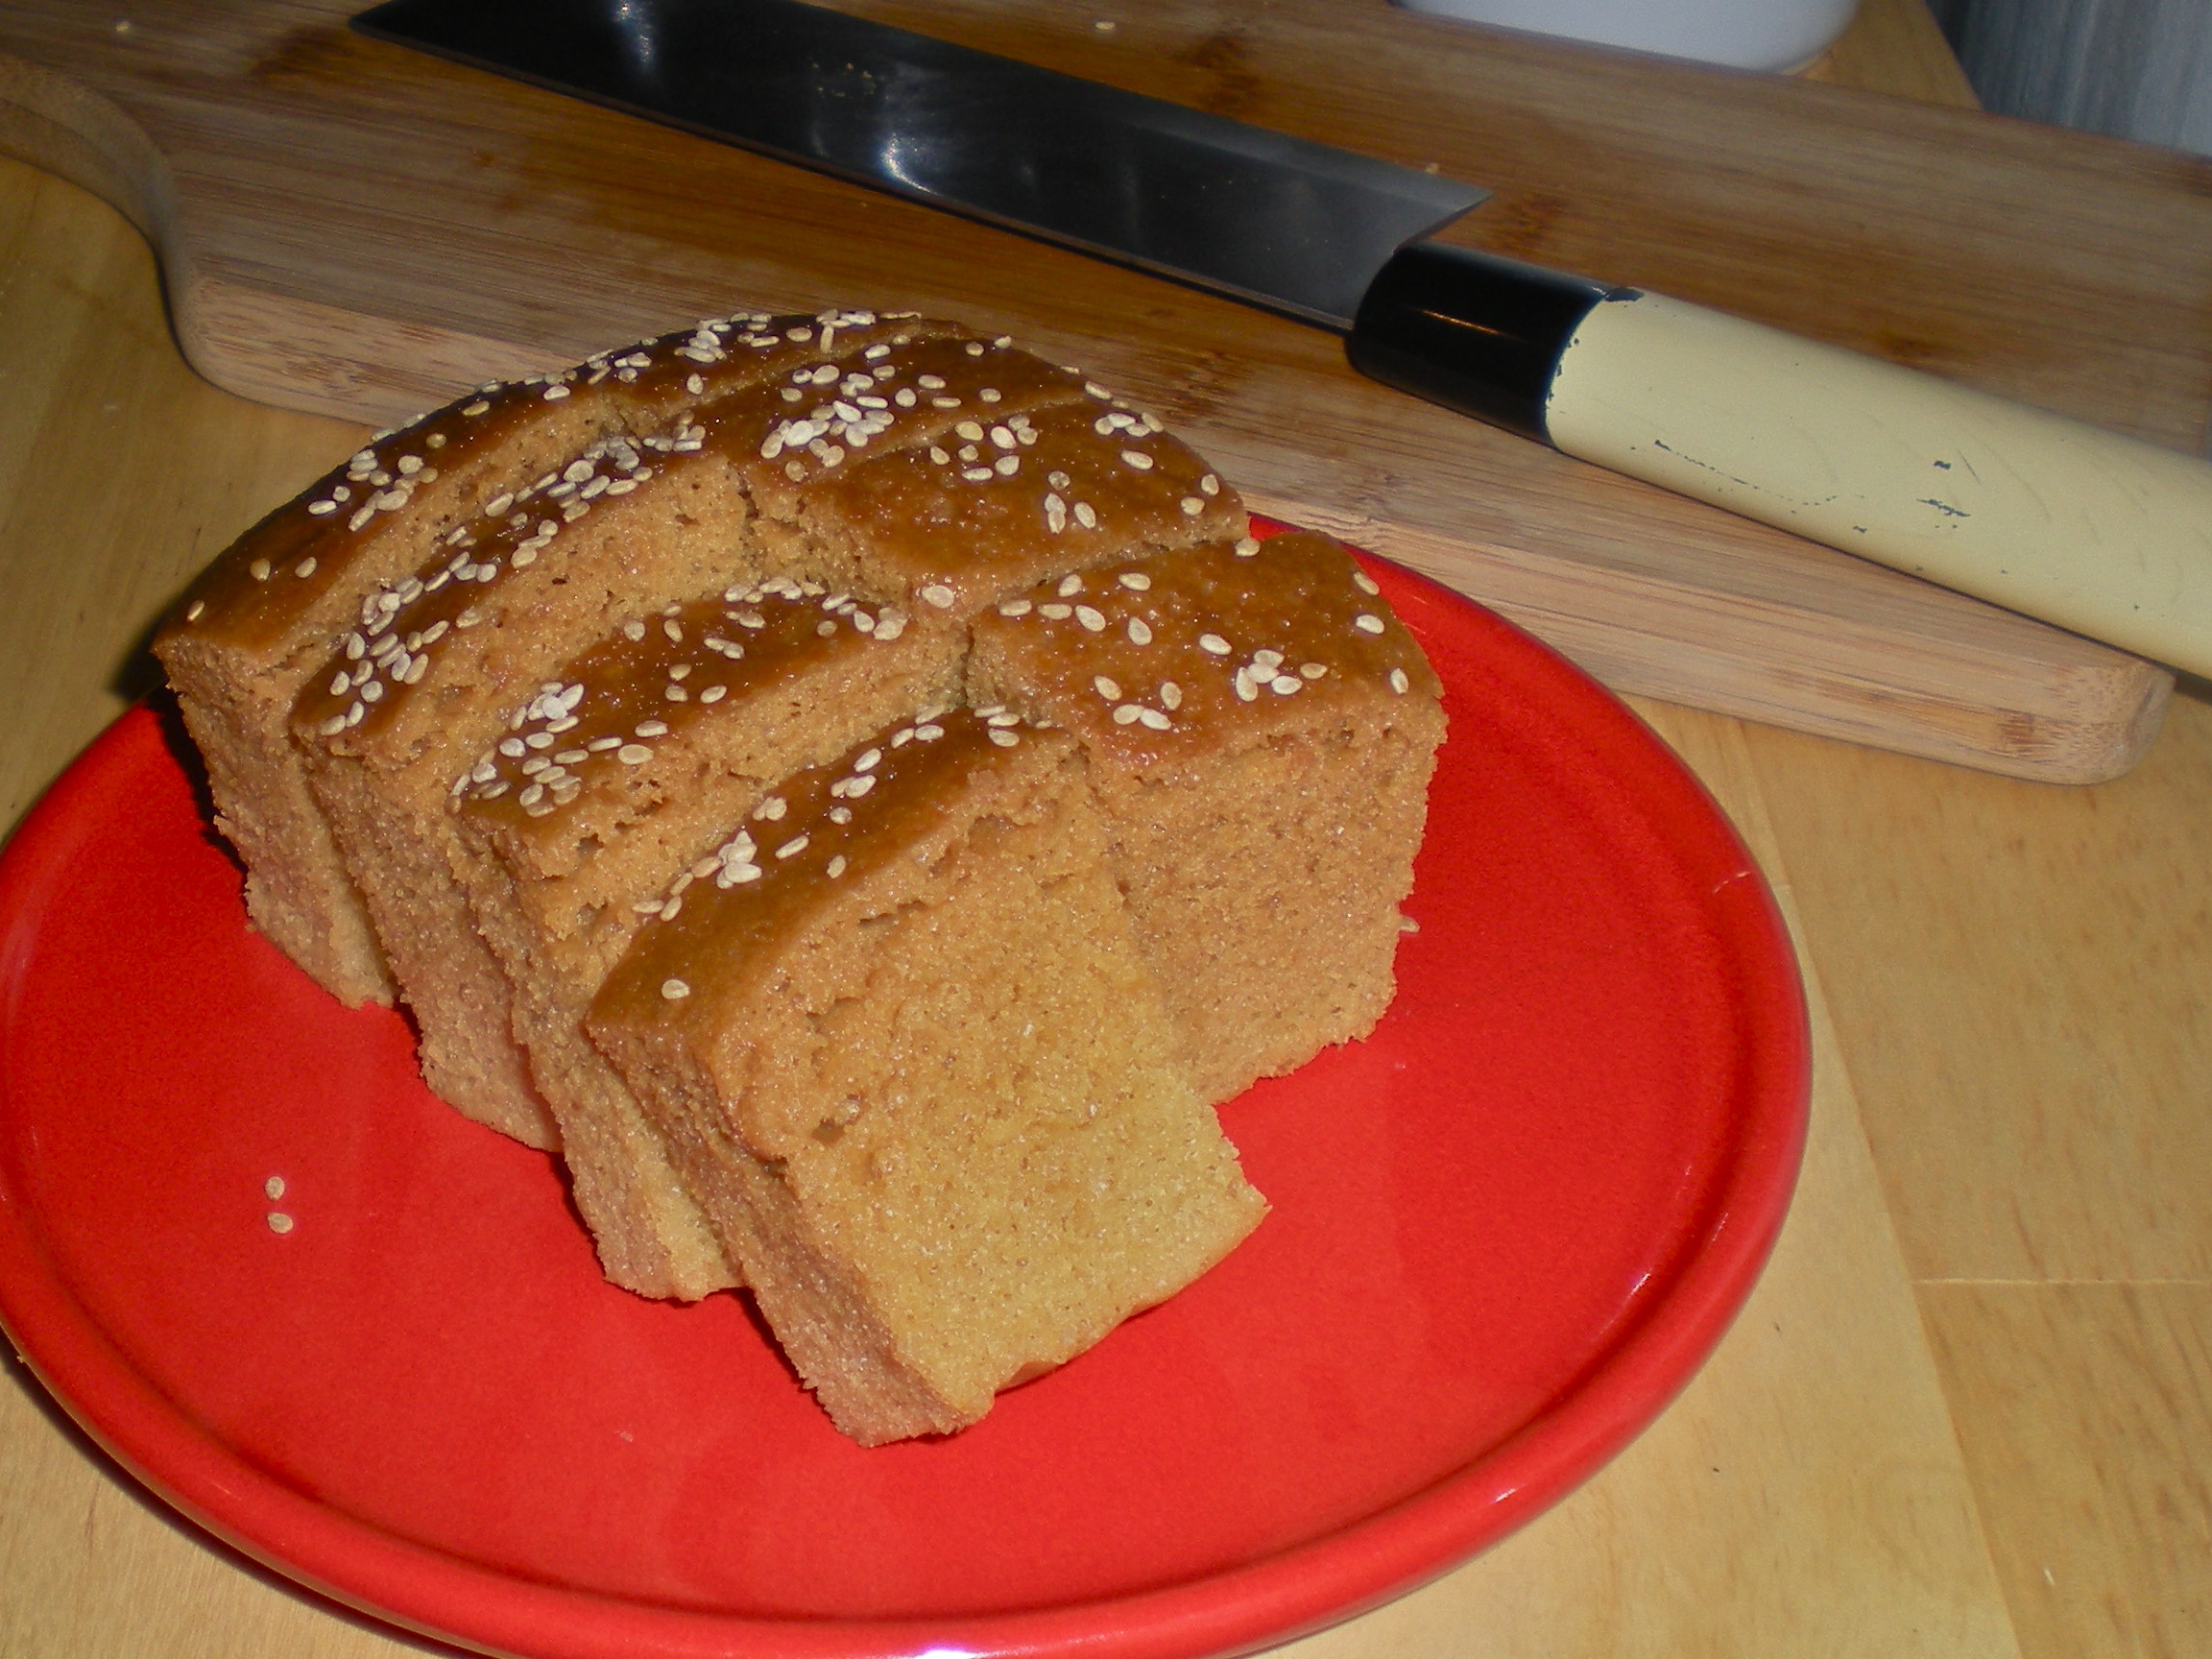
<point>2086,1412</point>
<point>2025,1127</point>
<point>353,228</point>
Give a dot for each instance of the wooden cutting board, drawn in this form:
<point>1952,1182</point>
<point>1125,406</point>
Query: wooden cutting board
<point>351,227</point>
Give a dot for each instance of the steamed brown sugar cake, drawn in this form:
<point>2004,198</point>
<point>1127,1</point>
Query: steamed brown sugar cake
<point>245,639</point>
<point>903,1047</point>
<point>605,793</point>
<point>440,662</point>
<point>1261,730</point>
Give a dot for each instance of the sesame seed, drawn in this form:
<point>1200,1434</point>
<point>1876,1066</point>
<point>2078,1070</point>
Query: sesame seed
<point>792,847</point>
<point>1191,506</point>
<point>836,867</point>
<point>939,595</point>
<point>1016,607</point>
<point>1282,684</point>
<point>1136,579</point>
<point>1367,622</point>
<point>1138,459</point>
<point>1091,617</point>
<point>199,608</point>
<point>274,1188</point>
<point>279,1223</point>
<point>1127,715</point>
<point>651,729</point>
<point>1246,547</point>
<point>1210,485</point>
<point>1107,688</point>
<point>1153,720</point>
<point>1212,644</point>
<point>633,754</point>
<point>1171,694</point>
<point>1055,613</point>
<point>1399,683</point>
<point>1312,670</point>
<point>1139,631</point>
<point>772,807</point>
<point>258,570</point>
<point>1364,582</point>
<point>675,990</point>
<point>1086,516</point>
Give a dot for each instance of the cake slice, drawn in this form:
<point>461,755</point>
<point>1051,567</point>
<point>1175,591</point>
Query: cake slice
<point>907,1053</point>
<point>1261,731</point>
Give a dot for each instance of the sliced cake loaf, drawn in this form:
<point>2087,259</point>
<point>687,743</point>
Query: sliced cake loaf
<point>856,788</point>
<point>906,1052</point>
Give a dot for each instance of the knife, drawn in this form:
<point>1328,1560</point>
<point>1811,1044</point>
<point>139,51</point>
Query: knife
<point>2077,525</point>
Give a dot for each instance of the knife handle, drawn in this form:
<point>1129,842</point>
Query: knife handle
<point>2096,532</point>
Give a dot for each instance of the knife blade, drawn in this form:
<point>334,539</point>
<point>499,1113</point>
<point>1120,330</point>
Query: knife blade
<point>2071,524</point>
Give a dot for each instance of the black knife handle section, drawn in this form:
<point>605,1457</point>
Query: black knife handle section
<point>1472,331</point>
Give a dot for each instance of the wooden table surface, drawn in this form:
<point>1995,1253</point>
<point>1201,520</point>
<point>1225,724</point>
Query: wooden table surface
<point>1968,1411</point>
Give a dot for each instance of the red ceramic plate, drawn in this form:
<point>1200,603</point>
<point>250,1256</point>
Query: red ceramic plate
<point>1506,1231</point>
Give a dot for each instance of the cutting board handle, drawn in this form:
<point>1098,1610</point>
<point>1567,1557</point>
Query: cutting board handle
<point>2082,527</point>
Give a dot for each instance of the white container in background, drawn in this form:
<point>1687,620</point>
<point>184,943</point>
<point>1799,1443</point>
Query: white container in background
<point>1769,35</point>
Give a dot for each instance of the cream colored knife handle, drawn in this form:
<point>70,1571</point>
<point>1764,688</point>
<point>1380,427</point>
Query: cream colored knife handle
<point>2101,534</point>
